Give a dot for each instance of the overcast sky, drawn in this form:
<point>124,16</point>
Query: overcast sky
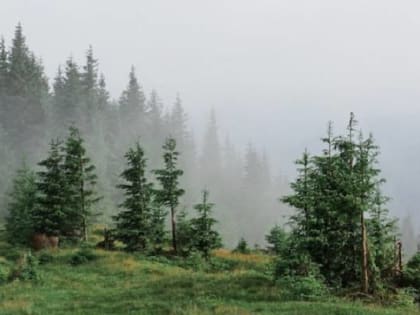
<point>275,71</point>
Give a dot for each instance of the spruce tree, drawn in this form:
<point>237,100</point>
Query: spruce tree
<point>4,68</point>
<point>81,183</point>
<point>21,206</point>
<point>204,237</point>
<point>158,233</point>
<point>183,233</point>
<point>133,223</point>
<point>24,95</point>
<point>52,208</point>
<point>168,177</point>
<point>340,215</point>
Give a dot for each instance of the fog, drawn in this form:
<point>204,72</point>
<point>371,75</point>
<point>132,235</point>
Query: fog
<point>275,72</point>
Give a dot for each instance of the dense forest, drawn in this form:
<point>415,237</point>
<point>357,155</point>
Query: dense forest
<point>32,113</point>
<point>77,164</point>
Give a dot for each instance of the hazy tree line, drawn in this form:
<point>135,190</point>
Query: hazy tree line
<point>32,112</point>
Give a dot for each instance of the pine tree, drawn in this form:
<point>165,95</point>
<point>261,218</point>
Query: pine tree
<point>204,237</point>
<point>52,209</point>
<point>81,183</point>
<point>89,84</point>
<point>168,177</point>
<point>277,240</point>
<point>4,68</point>
<point>333,194</point>
<point>381,230</point>
<point>158,233</point>
<point>22,114</point>
<point>132,108</point>
<point>68,97</point>
<point>133,223</point>
<point>183,233</point>
<point>21,205</point>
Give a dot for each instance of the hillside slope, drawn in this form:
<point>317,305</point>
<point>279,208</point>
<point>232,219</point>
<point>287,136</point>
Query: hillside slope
<point>119,283</point>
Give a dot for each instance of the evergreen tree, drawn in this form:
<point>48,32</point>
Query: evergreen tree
<point>333,194</point>
<point>81,183</point>
<point>89,82</point>
<point>204,237</point>
<point>183,233</point>
<point>68,97</point>
<point>168,177</point>
<point>132,109</point>
<point>277,240</point>
<point>158,233</point>
<point>211,160</point>
<point>52,209</point>
<point>381,230</point>
<point>133,223</point>
<point>4,68</point>
<point>22,203</point>
<point>26,88</point>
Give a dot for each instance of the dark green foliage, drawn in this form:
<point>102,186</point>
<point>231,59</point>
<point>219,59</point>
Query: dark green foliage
<point>26,269</point>
<point>52,204</point>
<point>108,243</point>
<point>302,288</point>
<point>242,247</point>
<point>168,177</point>
<point>84,255</point>
<point>158,233</point>
<point>81,183</point>
<point>184,236</point>
<point>3,274</point>
<point>337,197</point>
<point>204,237</point>
<point>45,258</point>
<point>277,240</point>
<point>133,223</point>
<point>22,203</point>
<point>411,274</point>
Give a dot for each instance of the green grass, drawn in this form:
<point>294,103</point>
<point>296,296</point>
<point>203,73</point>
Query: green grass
<point>119,283</point>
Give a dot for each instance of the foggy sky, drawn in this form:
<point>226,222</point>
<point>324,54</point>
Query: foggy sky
<point>275,71</point>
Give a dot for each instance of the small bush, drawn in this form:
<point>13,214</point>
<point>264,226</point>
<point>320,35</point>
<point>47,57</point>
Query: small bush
<point>12,254</point>
<point>3,274</point>
<point>302,288</point>
<point>26,270</point>
<point>242,247</point>
<point>84,255</point>
<point>45,258</point>
<point>195,261</point>
<point>404,297</point>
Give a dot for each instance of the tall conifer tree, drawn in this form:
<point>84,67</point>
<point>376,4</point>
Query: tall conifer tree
<point>133,223</point>
<point>168,177</point>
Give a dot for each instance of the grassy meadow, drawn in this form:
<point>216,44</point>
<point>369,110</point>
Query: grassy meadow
<point>122,283</point>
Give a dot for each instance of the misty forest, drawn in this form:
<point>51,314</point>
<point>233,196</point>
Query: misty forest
<point>115,206</point>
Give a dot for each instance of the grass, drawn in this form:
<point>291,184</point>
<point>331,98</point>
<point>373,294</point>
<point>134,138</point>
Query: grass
<point>120,283</point>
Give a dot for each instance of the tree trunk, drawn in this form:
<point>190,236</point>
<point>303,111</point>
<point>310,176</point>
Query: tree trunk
<point>365,275</point>
<point>173,229</point>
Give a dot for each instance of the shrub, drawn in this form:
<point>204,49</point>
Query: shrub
<point>45,258</point>
<point>295,265</point>
<point>302,288</point>
<point>277,240</point>
<point>242,247</point>
<point>26,270</point>
<point>194,261</point>
<point>84,255</point>
<point>3,274</point>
